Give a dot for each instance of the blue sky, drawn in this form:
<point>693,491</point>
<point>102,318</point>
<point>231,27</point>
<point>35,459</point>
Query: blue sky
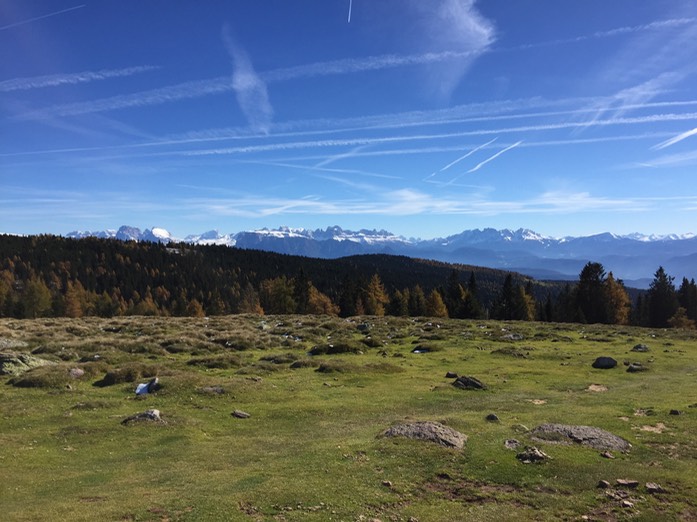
<point>422,118</point>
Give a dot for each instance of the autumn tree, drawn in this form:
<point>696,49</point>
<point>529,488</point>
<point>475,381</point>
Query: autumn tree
<point>375,297</point>
<point>618,303</point>
<point>36,299</point>
<point>249,301</point>
<point>435,307</point>
<point>276,295</point>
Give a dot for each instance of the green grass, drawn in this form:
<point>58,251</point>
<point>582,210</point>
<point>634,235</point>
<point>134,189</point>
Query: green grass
<point>311,449</point>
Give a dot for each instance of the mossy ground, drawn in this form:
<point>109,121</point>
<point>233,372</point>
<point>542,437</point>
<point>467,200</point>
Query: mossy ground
<point>311,450</point>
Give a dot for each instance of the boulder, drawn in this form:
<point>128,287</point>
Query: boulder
<point>492,417</point>
<point>451,375</point>
<point>585,435</point>
<point>465,382</point>
<point>428,431</point>
<point>12,363</point>
<point>604,363</point>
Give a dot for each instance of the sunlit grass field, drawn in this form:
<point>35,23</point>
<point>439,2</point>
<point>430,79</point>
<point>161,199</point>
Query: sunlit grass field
<point>311,448</point>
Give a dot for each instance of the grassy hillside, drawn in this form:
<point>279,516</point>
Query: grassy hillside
<point>311,448</point>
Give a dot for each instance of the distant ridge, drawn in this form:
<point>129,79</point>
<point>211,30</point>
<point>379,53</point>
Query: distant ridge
<point>634,257</point>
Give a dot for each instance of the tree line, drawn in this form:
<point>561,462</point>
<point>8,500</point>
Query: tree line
<point>49,276</point>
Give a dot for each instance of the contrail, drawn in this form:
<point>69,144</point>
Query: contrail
<point>480,165</point>
<point>23,22</point>
<point>674,140</point>
<point>458,160</point>
<point>349,15</point>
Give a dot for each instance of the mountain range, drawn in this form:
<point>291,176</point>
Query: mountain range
<point>633,258</point>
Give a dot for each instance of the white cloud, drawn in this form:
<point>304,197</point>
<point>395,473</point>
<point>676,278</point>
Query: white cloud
<point>250,89</point>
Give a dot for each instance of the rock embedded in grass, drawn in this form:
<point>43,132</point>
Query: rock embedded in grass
<point>465,382</point>
<point>146,416</point>
<point>640,348</point>
<point>531,454</point>
<point>239,414</point>
<point>604,363</point>
<point>12,363</point>
<point>585,435</point>
<point>428,431</point>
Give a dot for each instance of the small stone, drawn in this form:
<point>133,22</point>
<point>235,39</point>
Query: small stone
<point>628,483</point>
<point>148,415</point>
<point>627,504</point>
<point>531,455</point>
<point>636,367</point>
<point>387,483</point>
<point>603,484</point>
<point>653,488</point>
<point>239,414</point>
<point>607,455</point>
<point>640,348</point>
<point>675,412</point>
<point>492,417</point>
<point>451,375</point>
<point>511,444</point>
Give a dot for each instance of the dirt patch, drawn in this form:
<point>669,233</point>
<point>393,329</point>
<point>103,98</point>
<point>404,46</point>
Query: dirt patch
<point>597,388</point>
<point>469,491</point>
<point>585,435</point>
<point>538,402</point>
<point>658,428</point>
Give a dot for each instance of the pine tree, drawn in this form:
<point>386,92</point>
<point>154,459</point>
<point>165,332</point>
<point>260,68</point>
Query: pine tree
<point>36,299</point>
<point>687,298</point>
<point>662,299</point>
<point>590,294</point>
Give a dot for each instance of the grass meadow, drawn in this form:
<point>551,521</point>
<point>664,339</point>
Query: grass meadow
<point>319,392</point>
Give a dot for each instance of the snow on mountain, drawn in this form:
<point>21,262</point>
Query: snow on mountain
<point>629,257</point>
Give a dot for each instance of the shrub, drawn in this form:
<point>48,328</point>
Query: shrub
<point>333,349</point>
<point>53,376</point>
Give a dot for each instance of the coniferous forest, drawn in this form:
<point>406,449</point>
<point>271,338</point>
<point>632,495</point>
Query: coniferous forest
<point>43,276</point>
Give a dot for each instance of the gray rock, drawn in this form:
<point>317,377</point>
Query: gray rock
<point>12,363</point>
<point>511,444</point>
<point>636,367</point>
<point>146,416</point>
<point>76,373</point>
<point>627,483</point>
<point>469,383</point>
<point>675,412</point>
<point>653,488</point>
<point>239,414</point>
<point>585,435</point>
<point>603,484</point>
<point>604,363</point>
<point>642,348</point>
<point>451,375</point>
<point>492,417</point>
<point>531,454</point>
<point>428,431</point>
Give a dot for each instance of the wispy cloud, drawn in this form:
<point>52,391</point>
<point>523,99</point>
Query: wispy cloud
<point>54,80</point>
<point>670,23</point>
<point>492,158</point>
<point>675,139</point>
<point>250,89</point>
<point>182,91</point>
<point>36,18</point>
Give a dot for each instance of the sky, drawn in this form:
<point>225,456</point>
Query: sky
<point>421,118</point>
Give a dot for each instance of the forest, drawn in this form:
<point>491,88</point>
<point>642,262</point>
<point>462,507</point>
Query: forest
<point>52,276</point>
